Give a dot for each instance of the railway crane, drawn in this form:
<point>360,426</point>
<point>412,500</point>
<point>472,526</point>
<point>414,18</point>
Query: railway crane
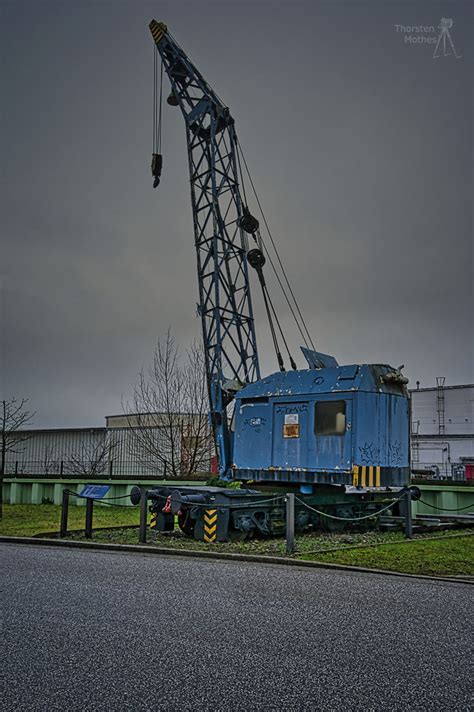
<point>337,435</point>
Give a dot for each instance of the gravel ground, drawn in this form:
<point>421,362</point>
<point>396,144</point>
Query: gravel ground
<point>97,631</point>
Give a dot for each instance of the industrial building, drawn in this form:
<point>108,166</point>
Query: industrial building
<point>139,445</point>
<point>442,441</point>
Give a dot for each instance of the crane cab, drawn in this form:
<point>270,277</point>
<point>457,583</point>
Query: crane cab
<point>345,425</point>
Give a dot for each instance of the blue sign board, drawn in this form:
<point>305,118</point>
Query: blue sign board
<point>95,491</point>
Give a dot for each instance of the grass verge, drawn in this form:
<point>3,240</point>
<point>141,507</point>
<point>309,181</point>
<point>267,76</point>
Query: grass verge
<point>31,519</point>
<point>432,553</point>
<point>452,556</point>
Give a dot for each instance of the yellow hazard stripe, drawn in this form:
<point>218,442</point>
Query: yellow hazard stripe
<point>157,30</point>
<point>371,476</point>
<point>355,476</point>
<point>366,475</point>
<point>210,525</point>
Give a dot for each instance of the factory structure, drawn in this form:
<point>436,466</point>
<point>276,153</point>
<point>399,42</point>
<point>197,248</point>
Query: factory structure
<point>442,439</point>
<point>155,446</point>
<point>141,445</point>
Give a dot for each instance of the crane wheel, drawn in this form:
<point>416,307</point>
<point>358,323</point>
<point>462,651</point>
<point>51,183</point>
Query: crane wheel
<point>185,523</point>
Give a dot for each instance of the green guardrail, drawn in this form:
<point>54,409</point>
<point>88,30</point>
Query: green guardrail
<point>439,498</point>
<point>444,499</point>
<point>50,491</point>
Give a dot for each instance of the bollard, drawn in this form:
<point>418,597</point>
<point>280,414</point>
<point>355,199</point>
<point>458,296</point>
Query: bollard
<point>143,515</point>
<point>408,519</point>
<point>290,523</point>
<point>89,510</point>
<point>64,513</point>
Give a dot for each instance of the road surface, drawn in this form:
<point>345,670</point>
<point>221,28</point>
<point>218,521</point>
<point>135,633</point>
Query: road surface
<point>109,631</point>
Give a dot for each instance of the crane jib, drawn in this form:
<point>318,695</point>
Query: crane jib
<point>220,221</point>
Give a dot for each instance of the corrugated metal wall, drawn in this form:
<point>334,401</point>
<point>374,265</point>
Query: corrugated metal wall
<point>52,453</point>
<point>443,450</point>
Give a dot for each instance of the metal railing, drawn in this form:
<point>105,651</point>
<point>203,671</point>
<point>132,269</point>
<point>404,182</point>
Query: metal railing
<point>114,469</point>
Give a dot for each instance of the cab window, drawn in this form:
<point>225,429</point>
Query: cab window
<point>330,418</point>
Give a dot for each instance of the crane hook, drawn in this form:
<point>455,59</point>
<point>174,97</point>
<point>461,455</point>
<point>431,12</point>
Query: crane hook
<point>156,166</point>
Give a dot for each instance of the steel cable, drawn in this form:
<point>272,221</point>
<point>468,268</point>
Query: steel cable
<point>446,509</point>
<point>279,260</point>
<point>349,519</point>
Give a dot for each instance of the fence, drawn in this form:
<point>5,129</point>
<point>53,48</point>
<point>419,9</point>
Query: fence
<point>69,469</point>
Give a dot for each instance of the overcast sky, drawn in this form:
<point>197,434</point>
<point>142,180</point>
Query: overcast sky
<point>359,142</point>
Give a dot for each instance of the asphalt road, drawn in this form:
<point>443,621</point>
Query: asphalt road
<point>108,631</point>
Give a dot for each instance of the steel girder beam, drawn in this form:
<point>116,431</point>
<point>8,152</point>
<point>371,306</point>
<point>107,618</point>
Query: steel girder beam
<point>225,304</point>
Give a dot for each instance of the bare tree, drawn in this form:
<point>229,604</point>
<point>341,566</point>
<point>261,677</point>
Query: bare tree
<point>50,460</point>
<point>13,416</point>
<point>91,458</point>
<point>168,412</point>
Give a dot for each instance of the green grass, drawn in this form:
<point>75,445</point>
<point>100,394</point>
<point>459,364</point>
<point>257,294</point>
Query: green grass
<point>448,554</point>
<point>31,519</point>
<point>440,557</point>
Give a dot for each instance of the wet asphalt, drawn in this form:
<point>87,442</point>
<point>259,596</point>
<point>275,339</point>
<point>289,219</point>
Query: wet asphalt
<point>84,630</point>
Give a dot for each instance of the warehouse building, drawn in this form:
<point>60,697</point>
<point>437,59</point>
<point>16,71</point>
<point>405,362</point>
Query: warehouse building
<point>139,445</point>
<point>443,431</point>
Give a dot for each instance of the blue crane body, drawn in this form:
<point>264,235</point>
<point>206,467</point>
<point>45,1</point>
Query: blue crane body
<point>338,435</point>
<point>343,425</point>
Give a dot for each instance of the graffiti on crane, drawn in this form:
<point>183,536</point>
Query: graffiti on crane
<point>395,453</point>
<point>255,423</point>
<point>369,454</point>
<point>294,408</point>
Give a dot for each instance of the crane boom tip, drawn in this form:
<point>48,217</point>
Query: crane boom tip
<point>158,30</point>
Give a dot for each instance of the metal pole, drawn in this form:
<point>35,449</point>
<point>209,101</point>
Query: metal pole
<point>89,510</point>
<point>408,519</point>
<point>64,513</point>
<point>290,523</point>
<point>143,515</point>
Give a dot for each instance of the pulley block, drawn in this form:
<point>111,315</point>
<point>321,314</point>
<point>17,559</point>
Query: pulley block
<point>248,222</point>
<point>256,259</point>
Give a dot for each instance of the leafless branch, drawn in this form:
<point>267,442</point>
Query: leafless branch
<point>14,415</point>
<point>167,414</point>
<point>90,459</point>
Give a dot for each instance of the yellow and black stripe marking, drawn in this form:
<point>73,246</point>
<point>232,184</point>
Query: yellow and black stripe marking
<point>158,30</point>
<point>210,525</point>
<point>366,476</point>
<point>153,518</point>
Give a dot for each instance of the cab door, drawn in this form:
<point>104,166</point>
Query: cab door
<point>331,440</point>
<point>290,435</point>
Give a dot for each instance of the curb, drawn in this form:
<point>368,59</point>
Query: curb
<point>55,534</point>
<point>221,556</point>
